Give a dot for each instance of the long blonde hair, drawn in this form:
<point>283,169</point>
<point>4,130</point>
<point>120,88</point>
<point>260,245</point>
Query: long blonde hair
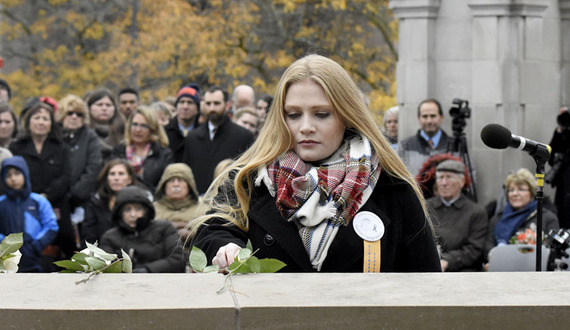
<point>275,138</point>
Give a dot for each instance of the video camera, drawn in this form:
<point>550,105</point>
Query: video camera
<point>459,111</point>
<point>558,242</point>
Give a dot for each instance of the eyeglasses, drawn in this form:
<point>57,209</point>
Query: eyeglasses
<point>521,190</point>
<point>137,125</point>
<point>78,114</point>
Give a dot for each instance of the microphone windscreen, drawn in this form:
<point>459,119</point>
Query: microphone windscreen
<point>496,136</point>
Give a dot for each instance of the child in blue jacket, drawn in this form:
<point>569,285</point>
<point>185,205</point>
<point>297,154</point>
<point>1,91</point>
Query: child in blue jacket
<point>22,211</point>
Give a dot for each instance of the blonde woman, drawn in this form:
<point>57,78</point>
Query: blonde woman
<point>520,213</point>
<point>145,146</point>
<point>299,193</point>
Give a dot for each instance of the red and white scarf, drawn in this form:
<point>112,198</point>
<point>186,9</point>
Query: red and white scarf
<point>321,198</point>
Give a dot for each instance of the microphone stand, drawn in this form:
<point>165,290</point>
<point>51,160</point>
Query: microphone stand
<point>540,170</point>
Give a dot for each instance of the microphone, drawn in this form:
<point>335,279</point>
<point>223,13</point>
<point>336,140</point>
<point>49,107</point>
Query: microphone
<point>499,137</point>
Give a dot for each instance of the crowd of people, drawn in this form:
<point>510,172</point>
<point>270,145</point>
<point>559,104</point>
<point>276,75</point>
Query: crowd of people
<point>307,177</point>
<point>467,232</point>
<point>82,159</point>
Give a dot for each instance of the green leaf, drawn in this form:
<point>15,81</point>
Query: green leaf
<point>270,265</point>
<point>249,246</point>
<point>243,254</point>
<point>239,267</point>
<point>71,265</point>
<point>126,264</point>
<point>11,243</point>
<point>115,267</point>
<point>80,258</point>
<point>253,264</point>
<point>101,253</point>
<point>198,260</point>
<point>95,263</point>
<point>211,269</point>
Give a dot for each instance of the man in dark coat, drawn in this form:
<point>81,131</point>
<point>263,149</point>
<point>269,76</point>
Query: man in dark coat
<point>187,113</point>
<point>214,141</point>
<point>460,224</point>
<point>430,140</point>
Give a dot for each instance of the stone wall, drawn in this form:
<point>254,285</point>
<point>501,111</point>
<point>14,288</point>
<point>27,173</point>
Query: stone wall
<point>286,301</point>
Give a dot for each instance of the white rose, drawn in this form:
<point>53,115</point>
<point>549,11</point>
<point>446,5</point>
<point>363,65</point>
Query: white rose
<point>11,264</point>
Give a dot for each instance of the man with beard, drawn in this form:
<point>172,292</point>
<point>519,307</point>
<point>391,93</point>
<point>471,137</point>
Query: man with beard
<point>218,139</point>
<point>430,140</point>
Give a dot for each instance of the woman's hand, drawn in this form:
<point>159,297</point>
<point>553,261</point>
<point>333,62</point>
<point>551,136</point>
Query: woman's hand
<point>444,265</point>
<point>226,255</point>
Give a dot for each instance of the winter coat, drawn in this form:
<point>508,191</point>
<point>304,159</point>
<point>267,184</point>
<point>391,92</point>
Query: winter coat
<point>97,220</point>
<point>86,163</point>
<point>176,138</point>
<point>549,222</point>
<point>156,161</point>
<point>29,213</point>
<point>415,150</point>
<point>152,244</point>
<point>407,245</point>
<point>560,144</point>
<point>461,232</point>
<point>178,212</point>
<point>50,174</point>
<point>203,154</point>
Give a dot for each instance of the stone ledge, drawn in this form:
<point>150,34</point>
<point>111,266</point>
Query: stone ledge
<point>285,301</point>
<point>531,8</point>
<point>414,8</point>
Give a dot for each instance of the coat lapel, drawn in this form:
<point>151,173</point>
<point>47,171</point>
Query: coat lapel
<point>265,214</point>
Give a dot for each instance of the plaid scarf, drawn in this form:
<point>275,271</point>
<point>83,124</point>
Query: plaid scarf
<point>321,198</point>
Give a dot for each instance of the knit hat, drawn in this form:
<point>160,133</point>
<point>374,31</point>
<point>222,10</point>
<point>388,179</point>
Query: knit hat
<point>451,165</point>
<point>192,91</point>
<point>4,85</point>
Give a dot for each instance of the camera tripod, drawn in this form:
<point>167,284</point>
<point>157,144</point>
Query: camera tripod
<point>459,146</point>
<point>459,112</point>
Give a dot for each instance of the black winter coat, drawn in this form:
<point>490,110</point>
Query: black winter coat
<point>151,244</point>
<point>560,144</point>
<point>154,247</point>
<point>50,171</point>
<point>176,138</point>
<point>86,163</point>
<point>158,158</point>
<point>97,220</point>
<point>407,245</point>
<point>203,154</point>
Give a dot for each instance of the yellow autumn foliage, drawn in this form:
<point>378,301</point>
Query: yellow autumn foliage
<point>74,46</point>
